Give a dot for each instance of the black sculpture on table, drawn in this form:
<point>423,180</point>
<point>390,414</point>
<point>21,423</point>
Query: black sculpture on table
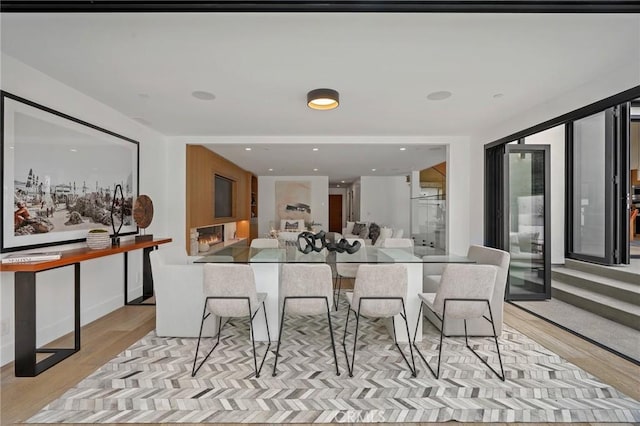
<point>115,239</point>
<point>311,240</point>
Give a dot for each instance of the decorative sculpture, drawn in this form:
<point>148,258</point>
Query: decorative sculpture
<point>115,239</point>
<point>143,214</point>
<point>311,240</point>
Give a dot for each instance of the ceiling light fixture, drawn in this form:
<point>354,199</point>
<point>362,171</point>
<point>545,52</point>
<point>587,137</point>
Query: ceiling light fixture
<point>315,170</point>
<point>315,149</point>
<point>373,170</point>
<point>323,99</point>
<point>270,170</point>
<point>341,181</point>
<point>403,149</point>
<point>247,149</point>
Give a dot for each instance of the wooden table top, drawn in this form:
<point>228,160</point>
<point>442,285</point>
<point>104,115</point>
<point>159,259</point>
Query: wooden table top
<point>69,257</point>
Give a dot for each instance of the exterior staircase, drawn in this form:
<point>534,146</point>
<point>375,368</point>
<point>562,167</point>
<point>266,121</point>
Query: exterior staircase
<point>611,292</point>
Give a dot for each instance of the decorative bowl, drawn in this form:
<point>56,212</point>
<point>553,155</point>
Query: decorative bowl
<point>98,239</point>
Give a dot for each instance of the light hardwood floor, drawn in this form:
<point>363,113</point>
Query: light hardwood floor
<point>103,339</point>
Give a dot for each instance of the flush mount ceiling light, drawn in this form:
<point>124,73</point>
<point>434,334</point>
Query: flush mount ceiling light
<point>323,99</point>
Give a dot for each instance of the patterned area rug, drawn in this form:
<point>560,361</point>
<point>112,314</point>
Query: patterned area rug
<point>151,382</point>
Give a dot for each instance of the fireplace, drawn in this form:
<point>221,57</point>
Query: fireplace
<point>211,235</point>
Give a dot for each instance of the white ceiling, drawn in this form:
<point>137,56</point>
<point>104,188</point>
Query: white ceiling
<point>260,67</point>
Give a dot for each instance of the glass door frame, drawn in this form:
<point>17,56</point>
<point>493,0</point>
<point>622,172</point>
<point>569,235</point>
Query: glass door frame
<point>616,243</point>
<point>506,214</point>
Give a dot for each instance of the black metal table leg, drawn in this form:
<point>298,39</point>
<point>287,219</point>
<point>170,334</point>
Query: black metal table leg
<point>147,279</point>
<point>25,328</point>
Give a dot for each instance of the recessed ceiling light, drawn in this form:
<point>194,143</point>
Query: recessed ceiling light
<point>73,150</point>
<point>338,186</point>
<point>270,170</point>
<point>315,149</point>
<point>342,181</point>
<point>498,95</point>
<point>247,149</point>
<point>439,96</point>
<point>315,170</point>
<point>403,149</point>
<point>373,170</point>
<point>203,96</point>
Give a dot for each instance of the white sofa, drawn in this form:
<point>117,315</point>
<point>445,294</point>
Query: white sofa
<point>385,232</point>
<point>179,296</point>
<point>289,230</point>
<point>481,327</point>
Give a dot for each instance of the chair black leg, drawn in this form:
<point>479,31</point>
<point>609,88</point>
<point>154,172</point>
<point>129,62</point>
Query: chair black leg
<point>205,315</point>
<point>406,324</point>
<point>436,373</point>
<point>333,344</point>
<point>344,343</point>
<point>338,294</point>
<point>495,337</point>
<point>275,363</point>
<point>355,341</point>
<point>253,341</point>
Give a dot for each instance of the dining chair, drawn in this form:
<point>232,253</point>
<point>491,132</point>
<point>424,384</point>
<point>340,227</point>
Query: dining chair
<point>379,292</point>
<point>464,293</point>
<point>397,243</point>
<point>306,289</point>
<point>483,256</point>
<point>260,243</point>
<point>347,265</point>
<point>230,292</point>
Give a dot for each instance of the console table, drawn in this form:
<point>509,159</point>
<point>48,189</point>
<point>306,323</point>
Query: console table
<point>25,300</point>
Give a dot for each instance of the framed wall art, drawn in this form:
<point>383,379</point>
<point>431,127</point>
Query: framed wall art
<point>59,174</point>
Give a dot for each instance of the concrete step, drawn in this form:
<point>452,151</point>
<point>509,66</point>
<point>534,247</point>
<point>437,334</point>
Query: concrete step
<point>609,307</point>
<point>621,272</point>
<point>617,289</point>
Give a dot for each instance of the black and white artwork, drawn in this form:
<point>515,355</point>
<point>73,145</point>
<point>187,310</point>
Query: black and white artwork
<point>59,176</point>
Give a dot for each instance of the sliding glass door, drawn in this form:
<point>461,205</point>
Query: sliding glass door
<point>526,221</point>
<point>596,205</point>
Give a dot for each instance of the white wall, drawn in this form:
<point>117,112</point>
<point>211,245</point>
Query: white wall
<point>102,285</point>
<point>267,200</point>
<point>555,138</point>
<point>623,78</point>
<point>385,200</point>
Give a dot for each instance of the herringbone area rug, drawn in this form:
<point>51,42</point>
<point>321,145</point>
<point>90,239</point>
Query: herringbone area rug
<point>151,382</point>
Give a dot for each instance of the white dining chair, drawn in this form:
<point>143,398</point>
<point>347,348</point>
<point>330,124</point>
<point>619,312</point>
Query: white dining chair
<point>260,243</point>
<point>397,243</point>
<point>464,294</point>
<point>306,289</point>
<point>380,291</point>
<point>230,292</point>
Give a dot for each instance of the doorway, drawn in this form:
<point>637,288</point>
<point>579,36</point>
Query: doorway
<point>335,212</point>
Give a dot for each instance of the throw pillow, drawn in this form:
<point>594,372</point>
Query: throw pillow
<point>358,227</point>
<point>374,232</point>
<point>291,226</point>
<point>364,232</point>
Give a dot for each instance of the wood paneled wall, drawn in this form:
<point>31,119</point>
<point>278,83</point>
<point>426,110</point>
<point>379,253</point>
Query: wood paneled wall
<point>202,166</point>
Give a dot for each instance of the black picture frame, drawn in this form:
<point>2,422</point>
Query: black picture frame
<point>65,171</point>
